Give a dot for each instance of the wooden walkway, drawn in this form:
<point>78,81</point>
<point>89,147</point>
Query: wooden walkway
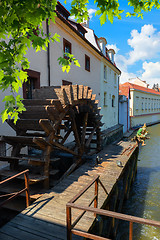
<point>46,217</point>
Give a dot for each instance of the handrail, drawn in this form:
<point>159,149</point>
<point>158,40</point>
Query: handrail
<point>13,195</point>
<point>95,210</point>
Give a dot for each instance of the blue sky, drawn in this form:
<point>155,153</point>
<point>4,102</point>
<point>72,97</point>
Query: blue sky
<point>135,40</point>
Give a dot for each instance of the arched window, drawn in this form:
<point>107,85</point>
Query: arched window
<point>113,101</point>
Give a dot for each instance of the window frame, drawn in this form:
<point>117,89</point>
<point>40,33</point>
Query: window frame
<point>105,99</point>
<point>36,76</point>
<point>87,58</point>
<point>67,43</point>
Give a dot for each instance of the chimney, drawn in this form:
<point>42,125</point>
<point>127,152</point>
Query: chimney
<point>85,23</point>
<point>102,43</point>
<point>111,53</point>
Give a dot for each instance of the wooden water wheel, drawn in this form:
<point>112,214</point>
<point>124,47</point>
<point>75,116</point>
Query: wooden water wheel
<point>65,119</point>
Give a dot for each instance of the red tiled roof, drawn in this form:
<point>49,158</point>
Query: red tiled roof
<point>124,89</point>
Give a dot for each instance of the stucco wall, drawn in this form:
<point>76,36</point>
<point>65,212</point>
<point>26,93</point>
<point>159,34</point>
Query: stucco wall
<point>146,107</point>
<point>94,79</point>
<point>148,119</point>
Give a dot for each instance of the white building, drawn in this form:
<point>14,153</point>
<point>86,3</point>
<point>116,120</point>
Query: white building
<point>144,104</point>
<point>98,69</point>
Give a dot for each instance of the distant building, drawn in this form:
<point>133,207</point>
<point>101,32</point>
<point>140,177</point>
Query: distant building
<point>138,81</point>
<point>144,104</point>
<point>98,69</point>
<point>124,117</point>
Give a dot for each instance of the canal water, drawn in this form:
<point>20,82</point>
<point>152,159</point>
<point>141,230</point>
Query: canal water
<point>144,200</point>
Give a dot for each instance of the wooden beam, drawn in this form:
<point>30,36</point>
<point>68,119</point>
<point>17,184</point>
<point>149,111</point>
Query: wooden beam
<point>90,137</point>
<point>58,145</point>
<point>84,130</point>
<point>41,142</point>
<point>46,125</point>
<point>66,136</point>
<point>75,131</point>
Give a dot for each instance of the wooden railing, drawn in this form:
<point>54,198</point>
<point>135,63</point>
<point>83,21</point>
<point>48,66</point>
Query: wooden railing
<point>95,211</point>
<point>15,194</point>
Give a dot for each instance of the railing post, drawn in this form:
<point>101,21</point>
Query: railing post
<point>96,195</point>
<point>130,230</point>
<point>27,189</point>
<point>68,215</point>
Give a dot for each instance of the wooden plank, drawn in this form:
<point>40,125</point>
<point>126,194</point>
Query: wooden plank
<point>46,125</point>
<point>5,236</point>
<point>67,94</point>
<point>80,92</point>
<point>85,92</point>
<point>89,94</point>
<point>41,142</point>
<point>18,139</point>
<point>75,92</point>
<point>44,228</point>
<point>15,231</point>
<point>33,102</point>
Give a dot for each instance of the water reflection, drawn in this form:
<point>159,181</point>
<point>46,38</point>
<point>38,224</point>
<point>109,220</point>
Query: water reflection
<point>144,198</point>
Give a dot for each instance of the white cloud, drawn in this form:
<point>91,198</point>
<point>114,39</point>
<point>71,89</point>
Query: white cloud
<point>151,72</point>
<point>146,44</point>
<point>91,11</point>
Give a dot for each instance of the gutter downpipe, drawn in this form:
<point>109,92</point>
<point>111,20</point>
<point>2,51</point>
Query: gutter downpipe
<point>118,100</point>
<point>48,55</point>
<point>127,108</point>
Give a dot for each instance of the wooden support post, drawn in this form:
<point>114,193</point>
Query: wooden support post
<point>130,230</point>
<point>46,165</point>
<point>26,177</point>
<point>84,131</point>
<point>96,195</point>
<point>69,227</point>
<point>15,151</point>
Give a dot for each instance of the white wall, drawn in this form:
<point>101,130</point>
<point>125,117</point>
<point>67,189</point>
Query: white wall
<point>145,107</point>
<point>110,86</point>
<point>124,114</point>
<point>94,79</point>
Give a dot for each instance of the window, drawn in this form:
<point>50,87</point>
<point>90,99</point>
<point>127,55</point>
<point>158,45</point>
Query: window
<point>149,103</point>
<point>113,101</point>
<point>105,72</point>
<point>152,103</point>
<point>67,47</point>
<point>87,63</point>
<point>105,98</point>
<point>115,78</point>
<point>142,103</point>
<point>32,83</point>
<point>137,103</point>
<point>145,103</point>
<point>65,82</point>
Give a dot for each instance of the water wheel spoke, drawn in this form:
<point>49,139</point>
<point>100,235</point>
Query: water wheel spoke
<point>66,136</point>
<point>75,131</point>
<point>63,148</point>
<point>90,137</point>
<point>84,130</point>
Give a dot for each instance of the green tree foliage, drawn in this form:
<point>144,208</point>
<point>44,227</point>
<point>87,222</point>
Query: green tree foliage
<point>21,27</point>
